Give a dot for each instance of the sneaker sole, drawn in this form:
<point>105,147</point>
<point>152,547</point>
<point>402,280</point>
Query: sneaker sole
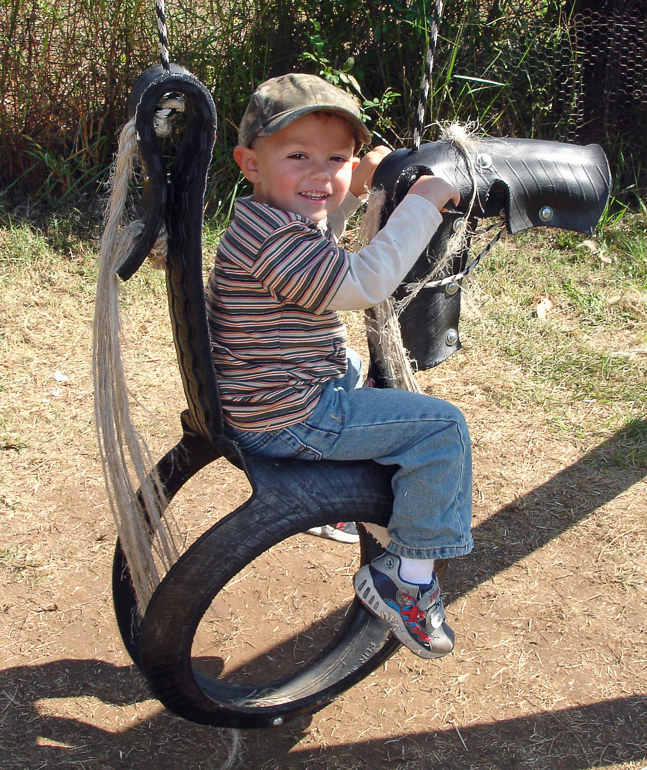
<point>374,603</point>
<point>338,536</point>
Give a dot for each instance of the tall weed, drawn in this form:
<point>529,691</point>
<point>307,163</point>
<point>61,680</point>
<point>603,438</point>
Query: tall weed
<point>66,69</point>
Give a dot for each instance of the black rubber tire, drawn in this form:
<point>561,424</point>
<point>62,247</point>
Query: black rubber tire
<point>289,497</point>
<point>173,615</point>
<point>125,604</point>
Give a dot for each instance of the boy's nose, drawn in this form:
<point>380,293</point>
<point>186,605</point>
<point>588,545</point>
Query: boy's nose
<point>320,169</point>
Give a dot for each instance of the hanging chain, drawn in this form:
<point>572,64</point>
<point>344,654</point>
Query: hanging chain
<point>163,35</point>
<point>426,80</point>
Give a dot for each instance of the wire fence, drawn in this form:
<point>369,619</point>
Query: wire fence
<point>600,89</point>
<point>610,92</point>
<point>581,81</point>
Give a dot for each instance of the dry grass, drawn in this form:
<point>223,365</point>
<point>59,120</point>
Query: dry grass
<point>549,610</point>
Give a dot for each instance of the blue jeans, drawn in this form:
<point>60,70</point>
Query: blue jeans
<point>426,437</point>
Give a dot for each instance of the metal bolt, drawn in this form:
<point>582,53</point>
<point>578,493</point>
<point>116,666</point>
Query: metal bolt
<point>546,214</point>
<point>277,721</point>
<point>459,224</point>
<point>452,288</point>
<point>483,160</point>
<point>389,563</point>
<point>451,338</point>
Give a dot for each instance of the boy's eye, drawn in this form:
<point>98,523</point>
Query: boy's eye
<point>297,155</point>
<point>339,159</point>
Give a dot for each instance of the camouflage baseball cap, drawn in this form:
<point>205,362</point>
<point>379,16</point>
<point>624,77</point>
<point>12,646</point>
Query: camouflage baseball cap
<point>279,101</point>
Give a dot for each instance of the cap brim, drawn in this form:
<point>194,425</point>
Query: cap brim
<point>284,119</point>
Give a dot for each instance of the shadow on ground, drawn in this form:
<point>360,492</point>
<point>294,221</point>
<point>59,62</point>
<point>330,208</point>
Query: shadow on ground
<point>595,735</point>
<point>578,738</point>
<point>531,521</point>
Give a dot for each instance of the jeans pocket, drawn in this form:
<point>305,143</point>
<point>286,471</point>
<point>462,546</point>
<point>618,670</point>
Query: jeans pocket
<point>282,443</point>
<point>298,449</point>
<point>327,420</point>
<point>248,441</point>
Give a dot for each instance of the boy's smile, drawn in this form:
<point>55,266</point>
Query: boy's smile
<point>305,168</point>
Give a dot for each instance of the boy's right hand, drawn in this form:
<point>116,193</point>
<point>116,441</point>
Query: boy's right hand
<point>363,172</point>
<point>436,191</point>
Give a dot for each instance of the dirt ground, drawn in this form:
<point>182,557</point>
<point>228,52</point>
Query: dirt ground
<point>549,610</point>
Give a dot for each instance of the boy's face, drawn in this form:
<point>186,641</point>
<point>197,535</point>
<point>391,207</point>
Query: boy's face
<point>305,168</point>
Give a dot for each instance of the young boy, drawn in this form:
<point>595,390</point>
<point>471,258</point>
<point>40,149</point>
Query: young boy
<point>287,381</point>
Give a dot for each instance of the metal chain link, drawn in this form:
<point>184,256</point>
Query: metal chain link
<point>464,273</point>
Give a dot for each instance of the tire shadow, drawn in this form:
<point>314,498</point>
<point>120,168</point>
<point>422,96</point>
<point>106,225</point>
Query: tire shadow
<point>579,738</point>
<point>30,737</point>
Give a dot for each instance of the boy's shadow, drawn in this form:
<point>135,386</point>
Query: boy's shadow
<point>530,522</point>
<point>602,732</point>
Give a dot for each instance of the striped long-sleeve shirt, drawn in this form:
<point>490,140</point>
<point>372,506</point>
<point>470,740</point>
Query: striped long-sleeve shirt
<point>274,343</point>
<point>275,339</point>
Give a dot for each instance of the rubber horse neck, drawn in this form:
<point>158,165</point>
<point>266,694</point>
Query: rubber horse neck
<point>176,199</point>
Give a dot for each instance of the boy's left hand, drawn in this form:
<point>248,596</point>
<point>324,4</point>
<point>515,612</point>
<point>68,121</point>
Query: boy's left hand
<point>363,172</point>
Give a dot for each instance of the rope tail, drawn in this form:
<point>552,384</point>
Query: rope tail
<point>146,538</point>
<point>426,80</point>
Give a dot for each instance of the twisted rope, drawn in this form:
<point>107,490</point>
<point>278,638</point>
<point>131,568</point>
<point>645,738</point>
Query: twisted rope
<point>163,35</point>
<point>426,80</point>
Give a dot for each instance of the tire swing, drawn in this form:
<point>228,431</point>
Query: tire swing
<point>288,497</point>
<point>161,627</point>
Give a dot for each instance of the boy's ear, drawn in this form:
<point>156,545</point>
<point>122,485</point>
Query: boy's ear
<point>247,161</point>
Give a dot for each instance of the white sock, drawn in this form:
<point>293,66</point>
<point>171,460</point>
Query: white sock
<point>416,571</point>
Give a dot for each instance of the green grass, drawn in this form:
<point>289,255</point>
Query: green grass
<point>585,364</point>
<point>18,561</point>
<point>591,349</point>
<point>10,441</point>
<point>627,241</point>
<point>629,450</point>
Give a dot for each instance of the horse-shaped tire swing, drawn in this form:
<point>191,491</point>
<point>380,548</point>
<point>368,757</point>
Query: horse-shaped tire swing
<point>535,183</point>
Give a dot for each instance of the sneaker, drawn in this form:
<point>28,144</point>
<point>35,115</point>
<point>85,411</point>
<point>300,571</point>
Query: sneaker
<point>415,613</point>
<point>342,532</point>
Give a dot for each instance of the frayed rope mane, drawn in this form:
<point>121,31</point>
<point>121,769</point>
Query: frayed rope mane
<point>382,325</point>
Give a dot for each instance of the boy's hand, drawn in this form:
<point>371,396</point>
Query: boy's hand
<point>363,172</point>
<point>436,191</point>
